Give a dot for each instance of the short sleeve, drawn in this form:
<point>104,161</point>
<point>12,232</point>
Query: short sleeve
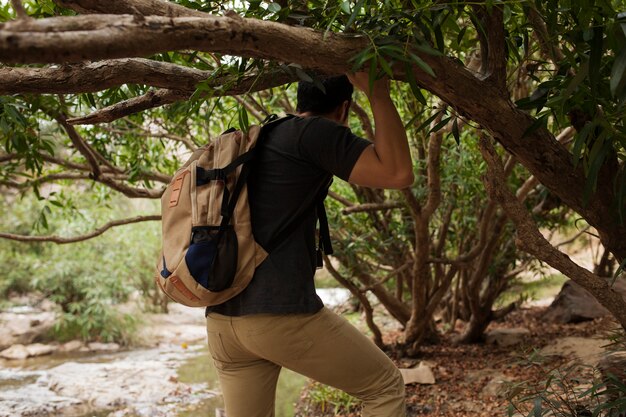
<point>331,147</point>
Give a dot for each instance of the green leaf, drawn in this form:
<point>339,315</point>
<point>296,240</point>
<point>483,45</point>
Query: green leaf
<point>373,72</point>
<point>423,65</point>
<point>415,89</point>
<point>579,140</point>
<point>274,7</point>
<point>617,72</point>
<point>385,66</point>
<point>595,164</point>
<point>303,75</point>
<point>345,7</point>
<point>459,37</point>
<point>538,123</point>
<point>455,131</point>
<point>580,76</point>
<point>243,119</point>
<point>427,49</point>
<point>440,125</point>
<point>595,57</point>
<point>362,57</point>
<point>355,13</point>
<point>427,122</point>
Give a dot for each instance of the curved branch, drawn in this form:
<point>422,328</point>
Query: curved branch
<point>340,198</point>
<point>116,175</point>
<point>366,123</point>
<point>19,9</point>
<point>490,31</point>
<point>93,37</point>
<point>138,104</point>
<point>98,76</point>
<point>64,240</point>
<point>369,316</point>
<point>531,240</point>
<point>129,191</point>
<point>434,163</point>
<point>145,7</point>
<point>371,207</point>
<point>156,98</point>
<point>81,146</point>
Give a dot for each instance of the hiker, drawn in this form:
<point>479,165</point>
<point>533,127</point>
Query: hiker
<point>278,320</point>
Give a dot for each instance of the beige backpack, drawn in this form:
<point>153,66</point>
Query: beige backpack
<point>209,254</point>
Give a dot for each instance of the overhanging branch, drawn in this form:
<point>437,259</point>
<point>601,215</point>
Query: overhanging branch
<point>96,37</point>
<point>64,240</point>
<point>98,76</point>
<point>145,7</point>
<point>224,86</point>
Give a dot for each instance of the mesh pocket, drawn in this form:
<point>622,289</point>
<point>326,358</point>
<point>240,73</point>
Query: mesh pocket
<point>211,258</point>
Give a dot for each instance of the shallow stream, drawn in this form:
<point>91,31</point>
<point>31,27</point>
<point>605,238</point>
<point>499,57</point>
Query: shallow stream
<point>164,381</point>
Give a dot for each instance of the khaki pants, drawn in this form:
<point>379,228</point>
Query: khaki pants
<point>249,352</point>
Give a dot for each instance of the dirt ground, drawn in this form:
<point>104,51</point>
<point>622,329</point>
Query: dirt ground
<point>472,380</point>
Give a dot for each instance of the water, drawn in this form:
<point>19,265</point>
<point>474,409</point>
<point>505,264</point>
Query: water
<point>165,381</point>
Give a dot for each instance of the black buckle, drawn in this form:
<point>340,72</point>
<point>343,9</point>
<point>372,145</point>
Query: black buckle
<point>220,174</point>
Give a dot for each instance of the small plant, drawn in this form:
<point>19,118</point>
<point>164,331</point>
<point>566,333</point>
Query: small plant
<point>322,400</point>
<point>570,390</point>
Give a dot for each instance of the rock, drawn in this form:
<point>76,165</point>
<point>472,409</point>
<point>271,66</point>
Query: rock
<point>421,374</point>
<point>495,386</point>
<point>18,328</point>
<point>20,351</point>
<point>103,347</point>
<point>71,346</point>
<point>15,352</point>
<point>506,337</point>
<point>574,304</point>
<point>588,351</point>
<point>39,349</point>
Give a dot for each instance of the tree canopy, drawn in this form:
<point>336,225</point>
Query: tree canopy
<point>116,92</point>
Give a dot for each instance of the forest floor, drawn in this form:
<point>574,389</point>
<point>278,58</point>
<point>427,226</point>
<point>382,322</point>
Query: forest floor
<point>470,380</point>
<point>473,380</point>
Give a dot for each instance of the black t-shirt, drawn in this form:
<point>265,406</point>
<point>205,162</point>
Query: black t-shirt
<point>296,161</point>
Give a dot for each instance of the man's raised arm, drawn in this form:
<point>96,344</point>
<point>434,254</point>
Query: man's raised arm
<point>387,162</point>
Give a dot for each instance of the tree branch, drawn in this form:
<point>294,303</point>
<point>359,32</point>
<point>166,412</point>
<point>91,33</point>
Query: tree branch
<point>90,37</point>
<point>340,198</point>
<point>371,207</point>
<point>156,98</point>
<point>98,76</point>
<point>434,162</point>
<point>81,146</point>
<point>67,39</point>
<point>364,119</point>
<point>64,240</point>
<point>490,29</point>
<point>547,46</point>
<point>124,108</point>
<point>145,7</point>
<point>532,241</point>
<point>19,9</point>
<point>369,316</point>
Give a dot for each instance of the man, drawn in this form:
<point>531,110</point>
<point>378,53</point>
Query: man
<point>278,320</point>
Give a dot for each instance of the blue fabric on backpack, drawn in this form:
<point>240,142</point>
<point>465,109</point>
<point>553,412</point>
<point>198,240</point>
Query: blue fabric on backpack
<point>200,258</point>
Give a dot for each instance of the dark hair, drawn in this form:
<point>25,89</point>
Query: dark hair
<point>312,99</point>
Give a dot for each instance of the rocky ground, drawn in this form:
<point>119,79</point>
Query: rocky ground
<point>77,379</point>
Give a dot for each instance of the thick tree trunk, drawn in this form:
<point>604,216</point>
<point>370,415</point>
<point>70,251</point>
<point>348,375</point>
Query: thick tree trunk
<point>476,327</point>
